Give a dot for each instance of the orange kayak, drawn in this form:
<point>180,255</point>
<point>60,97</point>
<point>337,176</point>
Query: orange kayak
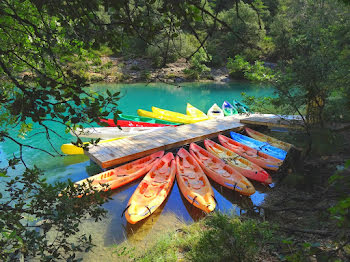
<point>257,157</point>
<point>242,165</point>
<point>153,189</point>
<point>270,140</point>
<point>193,183</point>
<point>220,172</point>
<point>122,175</point>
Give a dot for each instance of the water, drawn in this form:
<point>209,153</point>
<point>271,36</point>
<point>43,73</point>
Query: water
<point>176,209</point>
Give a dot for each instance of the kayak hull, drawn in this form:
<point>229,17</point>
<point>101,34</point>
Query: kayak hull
<point>240,107</point>
<point>195,112</point>
<point>145,119</point>
<point>70,149</point>
<point>220,172</point>
<point>128,123</point>
<point>228,109</point>
<point>242,165</point>
<point>259,158</point>
<point>260,146</point>
<point>122,175</point>
<point>265,138</point>
<point>215,112</point>
<point>152,190</point>
<point>112,132</point>
<point>193,183</point>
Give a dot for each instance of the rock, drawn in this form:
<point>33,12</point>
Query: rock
<point>179,79</point>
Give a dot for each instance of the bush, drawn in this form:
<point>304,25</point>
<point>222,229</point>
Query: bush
<point>230,239</point>
<point>197,67</point>
<point>181,46</point>
<point>253,42</point>
<point>219,237</point>
<point>239,68</point>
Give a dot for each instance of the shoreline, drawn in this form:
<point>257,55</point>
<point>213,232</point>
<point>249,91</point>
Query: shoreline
<point>140,70</point>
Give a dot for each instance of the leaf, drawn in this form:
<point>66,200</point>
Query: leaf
<point>347,163</point>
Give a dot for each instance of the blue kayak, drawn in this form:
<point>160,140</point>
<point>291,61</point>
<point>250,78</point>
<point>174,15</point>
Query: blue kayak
<point>260,146</point>
<point>228,109</point>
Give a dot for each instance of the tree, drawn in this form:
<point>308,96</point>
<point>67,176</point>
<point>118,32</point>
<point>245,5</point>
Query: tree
<point>41,43</point>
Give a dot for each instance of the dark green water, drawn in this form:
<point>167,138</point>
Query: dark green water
<point>142,96</point>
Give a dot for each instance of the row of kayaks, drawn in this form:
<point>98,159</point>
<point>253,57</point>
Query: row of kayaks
<point>145,122</point>
<point>230,164</point>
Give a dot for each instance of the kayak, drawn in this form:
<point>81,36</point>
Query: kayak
<point>261,159</point>
<point>152,190</point>
<point>242,165</point>
<point>193,183</point>
<point>220,172</point>
<point>129,123</point>
<point>215,112</point>
<point>260,146</point>
<point>122,175</point>
<point>271,140</point>
<point>228,109</point>
<point>178,116</point>
<point>169,115</point>
<point>193,111</point>
<point>70,149</point>
<point>145,113</point>
<point>146,119</point>
<point>241,108</point>
<point>112,132</point>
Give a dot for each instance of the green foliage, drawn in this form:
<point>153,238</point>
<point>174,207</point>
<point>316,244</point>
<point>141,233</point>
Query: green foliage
<point>298,252</point>
<point>167,51</point>
<point>239,68</point>
<point>146,75</point>
<point>340,181</point>
<point>219,237</point>
<point>246,38</point>
<point>231,239</point>
<point>309,38</point>
<point>41,223</point>
<point>197,67</point>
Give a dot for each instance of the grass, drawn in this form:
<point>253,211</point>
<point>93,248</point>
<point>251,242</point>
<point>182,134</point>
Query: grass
<point>218,237</point>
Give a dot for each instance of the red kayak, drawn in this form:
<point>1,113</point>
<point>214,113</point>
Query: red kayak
<point>128,123</point>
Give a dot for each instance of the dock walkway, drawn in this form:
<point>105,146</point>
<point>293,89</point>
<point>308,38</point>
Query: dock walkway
<point>119,151</point>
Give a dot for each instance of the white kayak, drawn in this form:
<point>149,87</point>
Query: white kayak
<point>215,112</point>
<point>112,132</point>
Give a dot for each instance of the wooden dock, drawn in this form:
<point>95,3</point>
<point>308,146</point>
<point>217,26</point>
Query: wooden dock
<point>119,151</point>
<point>271,120</point>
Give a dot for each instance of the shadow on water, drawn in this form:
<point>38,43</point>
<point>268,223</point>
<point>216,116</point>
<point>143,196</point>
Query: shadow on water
<point>241,202</point>
<point>139,231</point>
<point>195,213</point>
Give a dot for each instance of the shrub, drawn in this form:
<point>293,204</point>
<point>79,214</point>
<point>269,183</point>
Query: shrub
<point>197,67</point>
<point>230,239</point>
<point>182,45</point>
<point>239,68</point>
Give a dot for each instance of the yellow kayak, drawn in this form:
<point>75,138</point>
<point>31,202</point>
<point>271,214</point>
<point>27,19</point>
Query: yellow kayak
<point>180,118</point>
<point>177,117</point>
<point>270,140</point>
<point>193,111</point>
<point>71,149</point>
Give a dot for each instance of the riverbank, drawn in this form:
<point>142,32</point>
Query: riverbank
<point>135,70</point>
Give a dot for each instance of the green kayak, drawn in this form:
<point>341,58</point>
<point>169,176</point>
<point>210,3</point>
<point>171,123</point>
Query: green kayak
<point>229,109</point>
<point>146,119</point>
<point>241,108</point>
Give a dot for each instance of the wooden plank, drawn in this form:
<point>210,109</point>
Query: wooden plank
<point>273,122</point>
<point>163,139</point>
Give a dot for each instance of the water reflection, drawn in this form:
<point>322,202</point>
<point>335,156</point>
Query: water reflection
<point>195,213</point>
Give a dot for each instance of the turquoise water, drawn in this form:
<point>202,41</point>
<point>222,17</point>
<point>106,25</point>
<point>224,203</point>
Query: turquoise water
<point>135,96</point>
